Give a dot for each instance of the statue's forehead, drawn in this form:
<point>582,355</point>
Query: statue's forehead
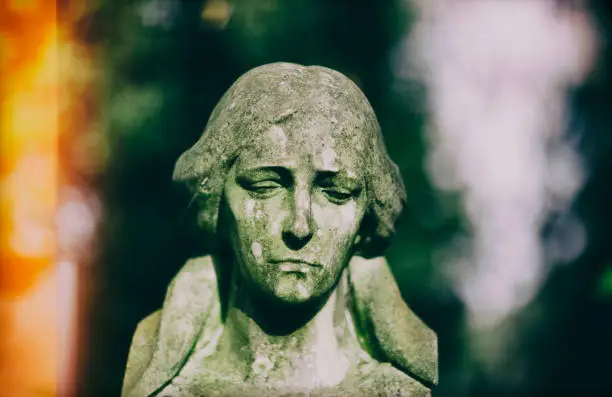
<point>315,140</point>
<point>318,118</point>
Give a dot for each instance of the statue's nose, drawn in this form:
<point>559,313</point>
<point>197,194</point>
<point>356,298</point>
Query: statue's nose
<point>300,225</point>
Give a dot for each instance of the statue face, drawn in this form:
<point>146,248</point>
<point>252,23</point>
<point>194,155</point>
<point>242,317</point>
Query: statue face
<point>295,198</point>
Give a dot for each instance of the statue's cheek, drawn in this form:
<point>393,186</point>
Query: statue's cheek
<point>337,228</point>
<point>255,215</point>
<point>340,220</point>
<point>261,228</point>
<point>269,217</point>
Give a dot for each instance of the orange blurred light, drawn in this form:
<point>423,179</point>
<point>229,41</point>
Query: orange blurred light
<point>28,185</point>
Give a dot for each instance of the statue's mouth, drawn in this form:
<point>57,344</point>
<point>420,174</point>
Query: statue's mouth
<point>295,265</point>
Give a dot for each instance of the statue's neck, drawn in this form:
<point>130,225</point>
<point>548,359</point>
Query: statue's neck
<point>289,346</point>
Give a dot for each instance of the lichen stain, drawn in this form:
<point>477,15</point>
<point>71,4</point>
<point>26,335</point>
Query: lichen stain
<point>249,207</point>
<point>329,157</point>
<point>256,250</point>
<point>278,134</point>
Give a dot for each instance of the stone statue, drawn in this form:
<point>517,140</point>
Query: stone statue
<point>298,198</point>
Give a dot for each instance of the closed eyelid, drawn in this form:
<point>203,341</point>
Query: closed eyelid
<point>339,179</point>
<point>263,173</point>
<point>285,177</point>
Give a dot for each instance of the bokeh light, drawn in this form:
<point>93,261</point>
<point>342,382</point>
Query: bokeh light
<point>40,103</point>
<point>29,178</point>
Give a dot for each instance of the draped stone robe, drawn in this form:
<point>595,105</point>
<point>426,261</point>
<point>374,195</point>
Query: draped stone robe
<point>386,327</point>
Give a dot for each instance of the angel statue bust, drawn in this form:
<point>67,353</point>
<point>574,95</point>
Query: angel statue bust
<point>296,191</point>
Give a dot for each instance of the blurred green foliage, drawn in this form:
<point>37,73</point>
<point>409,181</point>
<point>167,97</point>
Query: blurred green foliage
<point>605,283</point>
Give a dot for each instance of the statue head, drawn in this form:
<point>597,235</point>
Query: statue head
<point>293,161</point>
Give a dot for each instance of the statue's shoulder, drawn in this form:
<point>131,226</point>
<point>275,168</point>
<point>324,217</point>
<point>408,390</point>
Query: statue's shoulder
<point>188,293</point>
<point>147,329</point>
<point>386,380</point>
<point>142,348</point>
<point>387,322</point>
<point>197,271</point>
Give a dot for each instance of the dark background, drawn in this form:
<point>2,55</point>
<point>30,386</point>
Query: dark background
<point>161,76</point>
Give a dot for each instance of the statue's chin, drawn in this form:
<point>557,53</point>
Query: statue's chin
<point>293,289</point>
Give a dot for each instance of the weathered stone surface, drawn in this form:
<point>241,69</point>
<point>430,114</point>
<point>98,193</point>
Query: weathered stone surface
<point>295,188</point>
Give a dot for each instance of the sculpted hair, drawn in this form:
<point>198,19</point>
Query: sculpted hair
<point>270,95</point>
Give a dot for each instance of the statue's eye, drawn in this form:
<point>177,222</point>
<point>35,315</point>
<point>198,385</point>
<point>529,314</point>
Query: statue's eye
<point>337,187</point>
<point>264,188</point>
<point>338,195</point>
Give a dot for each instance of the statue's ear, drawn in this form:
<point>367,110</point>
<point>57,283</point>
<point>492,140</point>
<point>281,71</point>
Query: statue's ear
<point>362,242</point>
<point>368,244</point>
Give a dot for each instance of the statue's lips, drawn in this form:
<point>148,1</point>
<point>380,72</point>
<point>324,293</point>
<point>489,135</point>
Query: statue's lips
<point>293,265</point>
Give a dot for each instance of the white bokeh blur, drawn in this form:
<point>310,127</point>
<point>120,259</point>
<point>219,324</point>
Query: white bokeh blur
<point>497,75</point>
